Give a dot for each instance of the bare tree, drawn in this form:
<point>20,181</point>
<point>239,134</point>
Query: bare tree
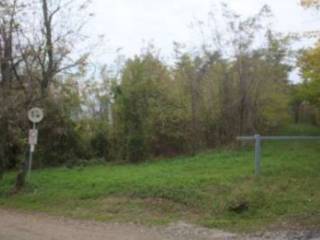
<point>46,48</point>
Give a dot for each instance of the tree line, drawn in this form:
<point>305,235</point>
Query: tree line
<point>236,83</point>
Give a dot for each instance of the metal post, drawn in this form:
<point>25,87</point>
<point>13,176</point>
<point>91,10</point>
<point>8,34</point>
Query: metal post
<point>31,154</point>
<point>257,154</point>
<point>258,139</point>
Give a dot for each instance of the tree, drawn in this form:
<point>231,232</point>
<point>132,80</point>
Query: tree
<point>11,94</point>
<point>139,101</point>
<point>190,84</point>
<point>190,74</point>
<point>46,49</point>
<point>309,63</point>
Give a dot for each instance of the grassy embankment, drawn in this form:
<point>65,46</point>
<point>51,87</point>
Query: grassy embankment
<point>198,189</point>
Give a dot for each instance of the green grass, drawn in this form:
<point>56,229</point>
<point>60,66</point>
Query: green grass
<point>198,189</point>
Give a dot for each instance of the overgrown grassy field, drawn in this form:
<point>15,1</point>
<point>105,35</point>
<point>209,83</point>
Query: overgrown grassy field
<point>200,189</point>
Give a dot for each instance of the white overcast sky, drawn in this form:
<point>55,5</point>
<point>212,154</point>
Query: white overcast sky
<point>129,24</point>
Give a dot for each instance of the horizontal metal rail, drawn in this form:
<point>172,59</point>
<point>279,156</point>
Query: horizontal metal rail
<point>258,139</point>
<point>244,138</point>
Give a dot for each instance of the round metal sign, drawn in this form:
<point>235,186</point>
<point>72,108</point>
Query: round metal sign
<point>35,115</point>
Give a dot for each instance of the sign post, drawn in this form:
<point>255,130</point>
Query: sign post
<point>35,115</point>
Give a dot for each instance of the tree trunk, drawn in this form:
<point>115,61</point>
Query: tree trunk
<point>4,131</point>
<point>196,139</point>
<point>22,175</point>
<point>6,74</point>
<point>49,70</point>
<point>2,160</point>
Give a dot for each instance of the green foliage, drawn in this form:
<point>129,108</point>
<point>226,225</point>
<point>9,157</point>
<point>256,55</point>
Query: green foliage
<point>309,63</point>
<point>202,102</point>
<point>142,99</point>
<point>305,96</point>
<point>58,140</point>
<point>100,145</point>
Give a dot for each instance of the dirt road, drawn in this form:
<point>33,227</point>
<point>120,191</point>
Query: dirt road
<point>22,226</point>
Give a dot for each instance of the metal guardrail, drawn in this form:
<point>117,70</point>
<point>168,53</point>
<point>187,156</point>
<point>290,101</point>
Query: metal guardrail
<point>258,139</point>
